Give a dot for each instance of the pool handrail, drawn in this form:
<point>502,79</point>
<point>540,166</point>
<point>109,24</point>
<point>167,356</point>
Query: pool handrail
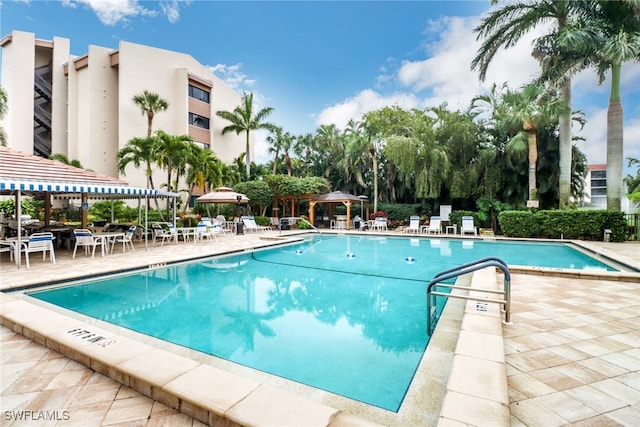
<point>289,218</point>
<point>470,267</point>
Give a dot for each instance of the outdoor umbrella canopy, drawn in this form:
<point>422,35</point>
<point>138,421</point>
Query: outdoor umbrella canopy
<point>224,195</point>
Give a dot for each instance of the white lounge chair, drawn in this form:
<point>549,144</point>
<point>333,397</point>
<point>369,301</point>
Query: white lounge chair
<point>86,239</point>
<point>414,225</point>
<point>435,226</point>
<point>39,242</point>
<point>468,226</point>
<point>249,223</point>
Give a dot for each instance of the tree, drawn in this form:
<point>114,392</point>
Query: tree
<point>3,112</point>
<point>504,27</point>
<point>204,170</point>
<point>150,103</point>
<point>172,152</point>
<point>522,113</point>
<point>64,159</point>
<point>140,151</point>
<point>243,119</point>
<point>620,43</point>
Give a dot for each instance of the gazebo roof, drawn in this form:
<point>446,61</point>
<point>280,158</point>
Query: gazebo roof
<point>337,196</point>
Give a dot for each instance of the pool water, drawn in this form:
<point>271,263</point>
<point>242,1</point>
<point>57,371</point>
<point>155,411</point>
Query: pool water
<point>345,314</point>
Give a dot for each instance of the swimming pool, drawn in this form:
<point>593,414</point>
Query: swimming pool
<point>346,314</point>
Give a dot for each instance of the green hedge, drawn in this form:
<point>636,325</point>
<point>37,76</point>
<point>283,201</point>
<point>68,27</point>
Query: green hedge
<point>568,224</point>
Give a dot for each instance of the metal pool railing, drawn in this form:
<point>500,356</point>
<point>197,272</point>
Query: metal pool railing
<point>291,220</point>
<point>464,269</point>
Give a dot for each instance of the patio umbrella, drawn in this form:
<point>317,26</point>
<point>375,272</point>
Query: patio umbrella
<point>224,195</point>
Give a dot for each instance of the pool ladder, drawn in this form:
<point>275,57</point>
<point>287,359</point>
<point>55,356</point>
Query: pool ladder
<point>470,267</point>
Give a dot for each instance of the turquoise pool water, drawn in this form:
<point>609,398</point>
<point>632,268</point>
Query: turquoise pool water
<point>346,314</point>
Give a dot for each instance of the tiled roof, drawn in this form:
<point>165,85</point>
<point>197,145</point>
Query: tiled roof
<point>31,173</point>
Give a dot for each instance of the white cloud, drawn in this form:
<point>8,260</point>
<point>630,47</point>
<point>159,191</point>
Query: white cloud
<point>445,75</point>
<point>233,76</point>
<point>365,101</point>
<point>112,12</point>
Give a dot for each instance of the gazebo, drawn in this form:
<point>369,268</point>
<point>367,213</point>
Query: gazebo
<point>338,197</point>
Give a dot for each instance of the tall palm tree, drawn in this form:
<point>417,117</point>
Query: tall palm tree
<point>275,140</point>
<point>529,109</point>
<point>613,29</point>
<point>504,27</point>
<point>243,119</point>
<point>620,43</point>
<point>3,112</point>
<point>150,103</point>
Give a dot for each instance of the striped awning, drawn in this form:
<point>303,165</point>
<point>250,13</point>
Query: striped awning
<point>33,174</point>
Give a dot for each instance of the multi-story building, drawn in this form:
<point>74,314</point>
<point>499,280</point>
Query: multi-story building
<point>596,186</point>
<point>83,106</point>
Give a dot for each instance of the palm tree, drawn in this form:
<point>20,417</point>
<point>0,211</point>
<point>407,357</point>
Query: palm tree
<point>613,37</point>
<point>504,27</point>
<point>150,103</point>
<point>204,170</point>
<point>528,110</point>
<point>3,112</point>
<point>140,151</point>
<point>172,153</point>
<point>64,159</point>
<point>276,145</point>
<point>620,43</point>
<point>243,119</point>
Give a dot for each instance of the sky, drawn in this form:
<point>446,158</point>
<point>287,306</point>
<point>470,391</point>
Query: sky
<point>323,62</point>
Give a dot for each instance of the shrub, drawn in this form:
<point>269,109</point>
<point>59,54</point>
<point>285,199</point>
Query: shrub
<point>568,224</point>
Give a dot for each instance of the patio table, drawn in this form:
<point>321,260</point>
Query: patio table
<point>187,233</point>
<point>106,238</point>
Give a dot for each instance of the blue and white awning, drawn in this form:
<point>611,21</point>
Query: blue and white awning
<point>10,186</point>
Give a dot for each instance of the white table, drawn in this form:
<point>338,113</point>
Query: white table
<point>106,238</point>
<point>452,227</point>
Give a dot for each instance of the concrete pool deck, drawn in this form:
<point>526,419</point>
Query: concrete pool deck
<point>570,356</point>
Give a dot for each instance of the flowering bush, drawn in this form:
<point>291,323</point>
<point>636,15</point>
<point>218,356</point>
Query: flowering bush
<point>378,213</point>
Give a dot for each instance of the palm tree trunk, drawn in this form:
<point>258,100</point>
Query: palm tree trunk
<point>248,158</point>
<point>374,159</point>
<point>533,159</point>
<point>155,199</point>
<point>565,147</point>
<point>614,142</point>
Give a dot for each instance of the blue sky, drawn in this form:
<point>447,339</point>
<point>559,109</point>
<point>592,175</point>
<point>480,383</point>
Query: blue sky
<point>321,62</point>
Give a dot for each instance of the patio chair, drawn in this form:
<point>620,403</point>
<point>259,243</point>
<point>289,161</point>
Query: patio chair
<point>86,239</point>
<point>207,230</point>
<point>39,242</point>
<point>435,226</point>
<point>165,234</point>
<point>414,225</point>
<point>379,224</point>
<point>468,226</point>
<point>126,240</point>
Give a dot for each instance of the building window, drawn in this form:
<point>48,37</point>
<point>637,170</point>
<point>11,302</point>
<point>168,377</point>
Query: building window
<point>199,121</point>
<point>198,94</point>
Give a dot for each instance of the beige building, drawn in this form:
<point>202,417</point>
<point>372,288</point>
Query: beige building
<point>82,106</point>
